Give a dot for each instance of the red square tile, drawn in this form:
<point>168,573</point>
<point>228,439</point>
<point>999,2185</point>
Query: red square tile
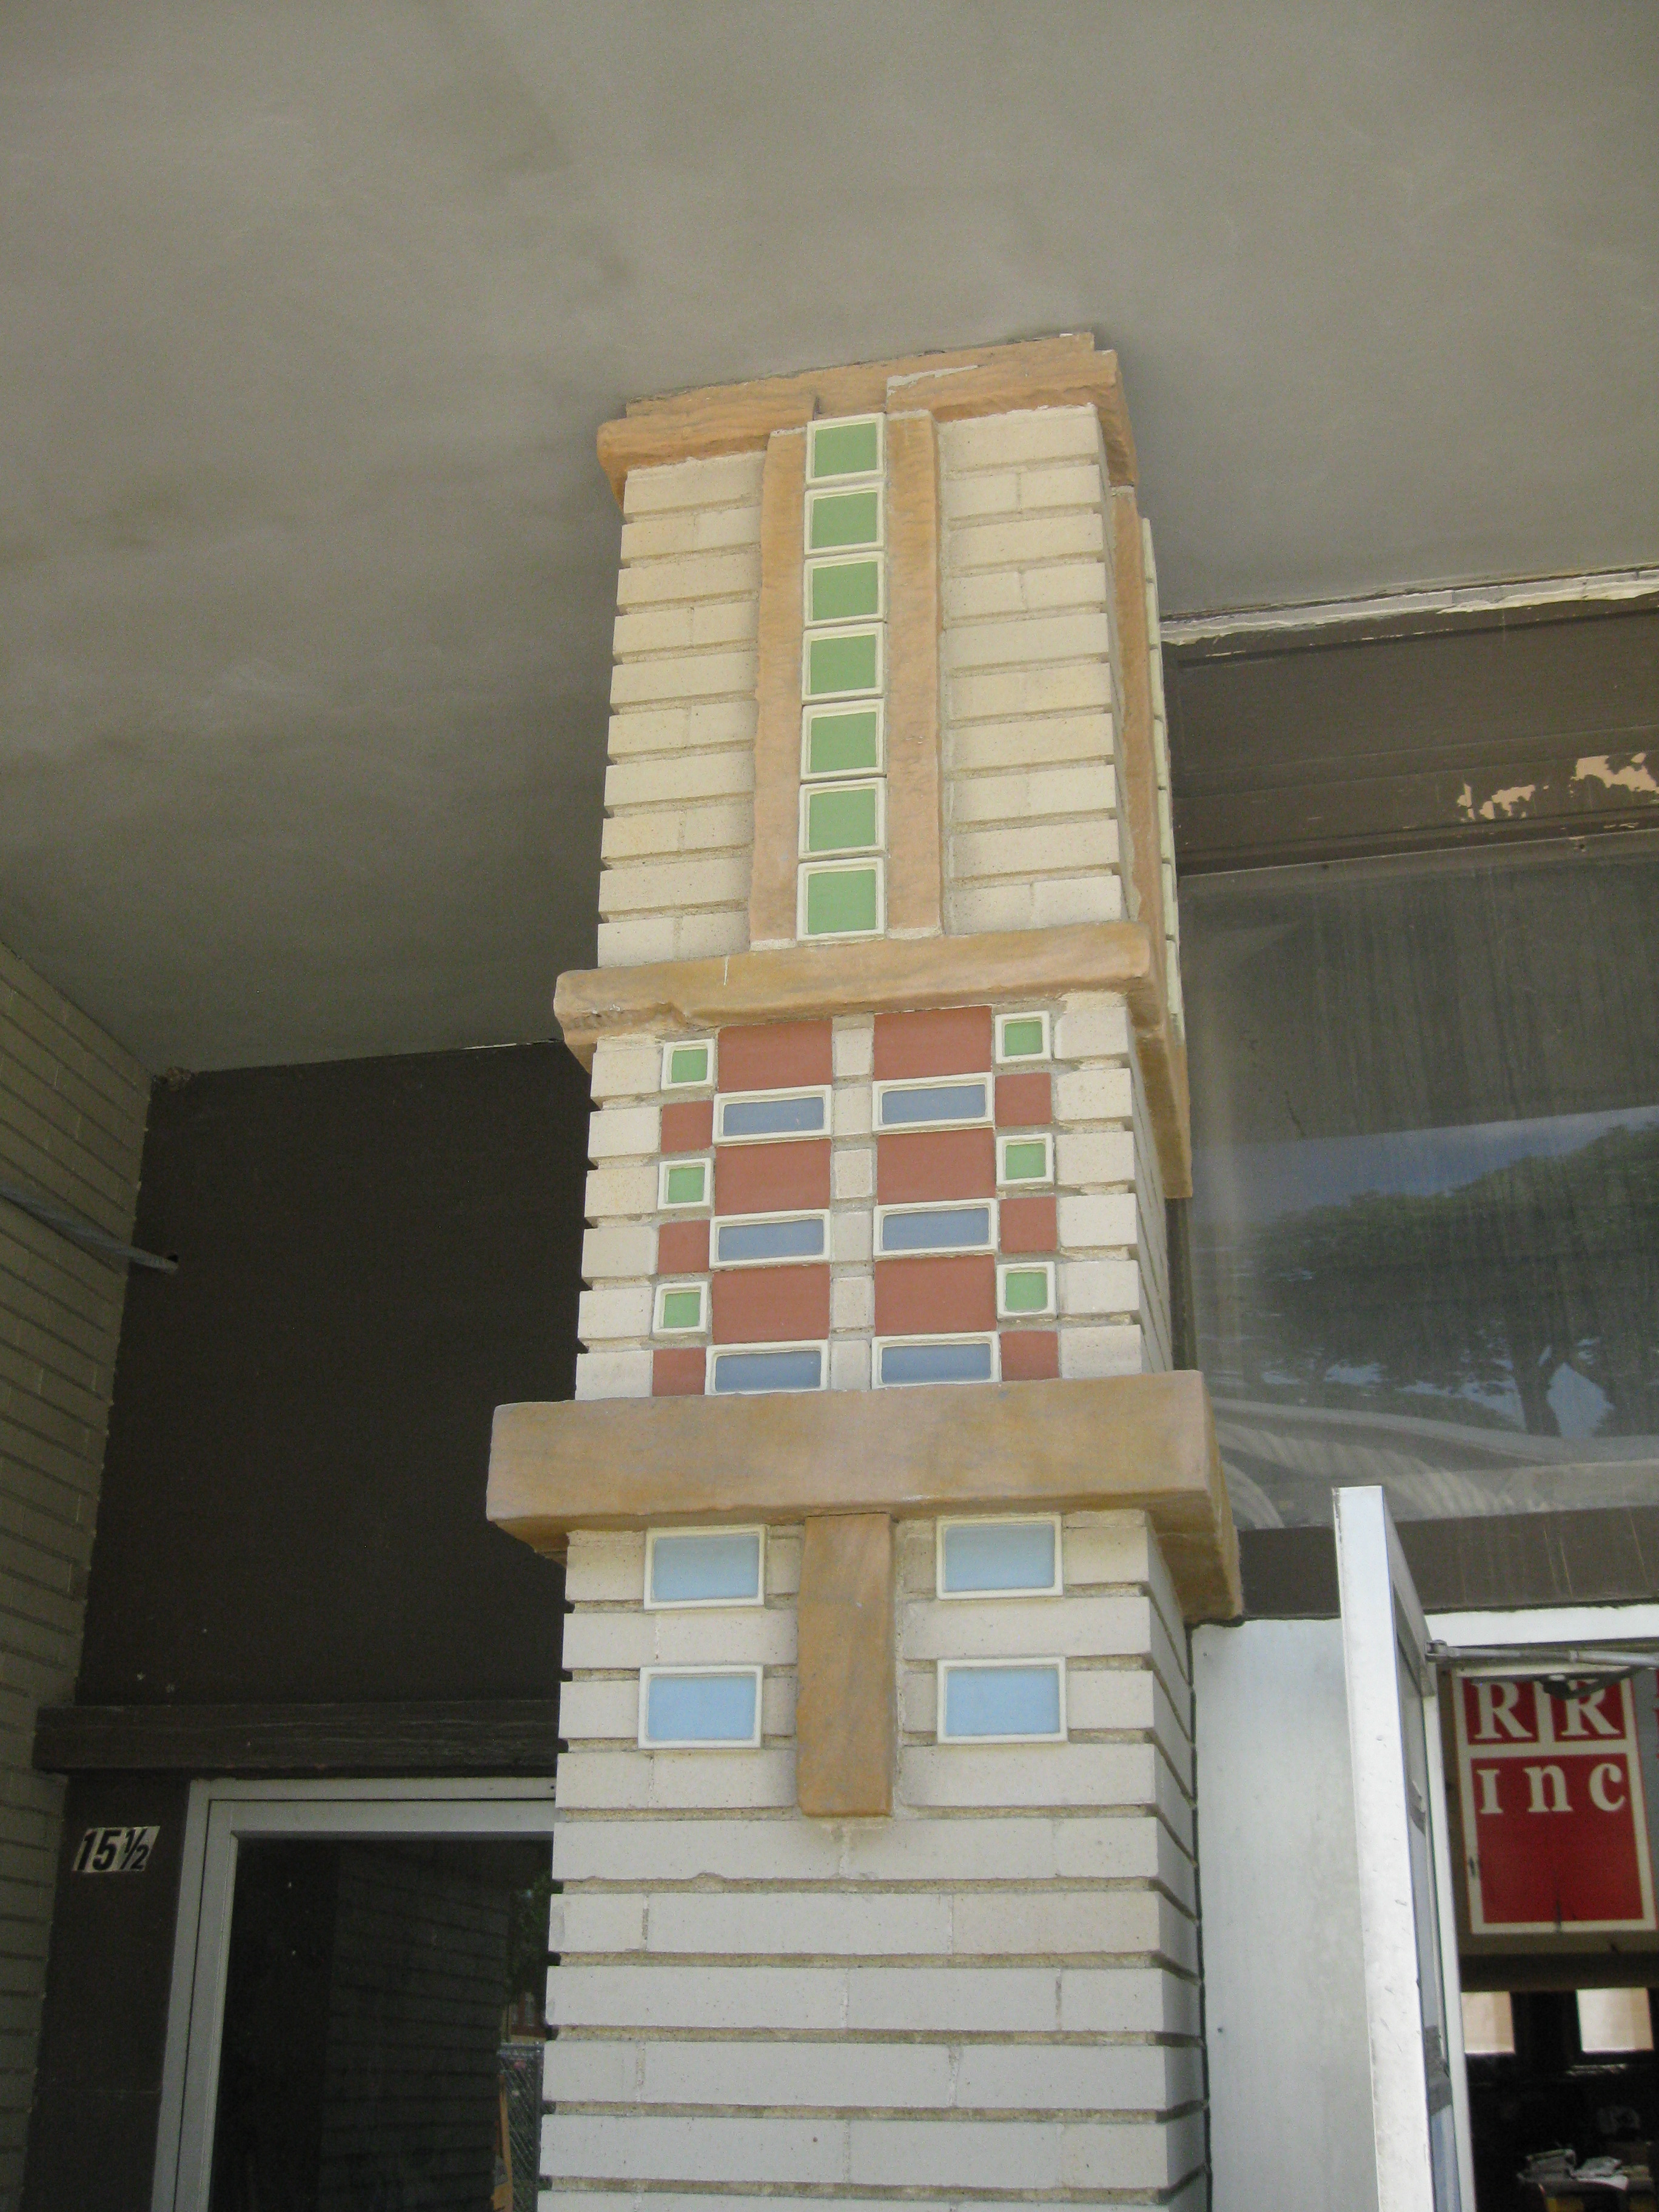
<point>1030,1355</point>
<point>936,1297</point>
<point>679,1373</point>
<point>951,1040</point>
<point>774,1056</point>
<point>688,1126</point>
<point>913,1166</point>
<point>770,1305</point>
<point>1023,1101</point>
<point>785,1178</point>
<point>1027,1224</point>
<point>683,1247</point>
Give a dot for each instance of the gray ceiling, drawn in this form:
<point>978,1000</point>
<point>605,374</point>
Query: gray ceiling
<point>310,314</point>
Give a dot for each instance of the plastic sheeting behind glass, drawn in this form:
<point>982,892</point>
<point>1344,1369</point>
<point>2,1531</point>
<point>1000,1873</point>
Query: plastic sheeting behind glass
<point>1425,1211</point>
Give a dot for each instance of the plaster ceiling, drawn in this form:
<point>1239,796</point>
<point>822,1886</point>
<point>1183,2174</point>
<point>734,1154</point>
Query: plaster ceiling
<point>310,314</point>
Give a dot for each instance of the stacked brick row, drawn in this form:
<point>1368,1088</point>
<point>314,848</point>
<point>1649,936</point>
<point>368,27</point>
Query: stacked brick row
<point>1033,837</point>
<point>959,2001</point>
<point>678,838</point>
<point>1096,1219</point>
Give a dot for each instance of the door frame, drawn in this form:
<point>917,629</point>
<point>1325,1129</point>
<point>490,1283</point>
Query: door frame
<point>221,1815</point>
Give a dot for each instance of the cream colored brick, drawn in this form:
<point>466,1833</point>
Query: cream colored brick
<point>613,1374</point>
<point>849,1365</point>
<point>940,1999</point>
<point>621,1190</point>
<point>659,1997</point>
<point>626,1067</point>
<point>604,1566</point>
<point>711,726</point>
<point>1032,1774</point>
<point>1092,1094</point>
<point>783,1561</point>
<point>1048,1922</point>
<point>1066,584</point>
<point>691,576</point>
<point>635,2148</point>
<point>746,1636</point>
<point>1127,2000</point>
<point>663,781</point>
<point>705,936</point>
<point>853,1171</point>
<point>1027,639</point>
<point>696,530</point>
<point>852,1303</point>
<point>849,1235</point>
<point>600,1923</point>
<point>853,1046</point>
<point>1002,694</point>
<point>1090,1158</point>
<point>616,1132</point>
<point>973,907</point>
<point>979,594</point>
<point>1034,434</point>
<point>1090,789</point>
<point>825,1923</point>
<point>1092,1224</point>
<point>1099,1286</point>
<point>1049,849</point>
<point>850,1112</point>
<point>631,944</point>
<point>687,627</point>
<point>1077,898</point>
<point>663,832</point>
<point>723,481</point>
<point>624,1249</point>
<point>784,2073</point>
<point>1026,743</point>
<point>1074,534</point>
<point>1115,1626</point>
<point>670,676</point>
<point>667,886</point>
<point>967,498</point>
<point>1092,1026</point>
<point>1067,484</point>
<point>689,1780</point>
<point>1093,1352</point>
<point>614,1310</point>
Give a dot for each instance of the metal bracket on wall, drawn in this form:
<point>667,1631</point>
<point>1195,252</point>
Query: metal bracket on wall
<point>84,1233</point>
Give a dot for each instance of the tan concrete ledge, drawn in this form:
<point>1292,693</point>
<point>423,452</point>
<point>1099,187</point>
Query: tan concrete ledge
<point>1143,1442</point>
<point>953,387</point>
<point>801,983</point>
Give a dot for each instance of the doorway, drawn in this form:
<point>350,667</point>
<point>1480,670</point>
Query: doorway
<point>356,2021</point>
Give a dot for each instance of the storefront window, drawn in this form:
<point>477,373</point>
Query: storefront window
<point>1425,1215</point>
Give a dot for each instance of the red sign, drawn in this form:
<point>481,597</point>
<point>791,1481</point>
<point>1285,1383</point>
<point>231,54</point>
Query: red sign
<point>1554,1823</point>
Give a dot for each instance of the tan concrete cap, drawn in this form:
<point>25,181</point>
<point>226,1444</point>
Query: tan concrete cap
<point>1143,1442</point>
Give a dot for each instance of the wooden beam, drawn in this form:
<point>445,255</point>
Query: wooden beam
<point>1137,1442</point>
<point>804,982</point>
<point>777,691</point>
<point>845,1723</point>
<point>512,1735</point>
<point>740,418</point>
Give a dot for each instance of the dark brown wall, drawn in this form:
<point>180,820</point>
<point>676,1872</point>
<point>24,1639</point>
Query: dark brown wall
<point>372,1255</point>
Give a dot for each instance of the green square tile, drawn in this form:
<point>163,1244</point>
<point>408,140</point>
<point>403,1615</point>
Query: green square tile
<point>1026,1161</point>
<point>686,1186</point>
<point>846,449</point>
<point>841,744</point>
<point>1023,1039</point>
<point>841,901</point>
<point>843,590</point>
<point>844,661</point>
<point>682,1309</point>
<point>688,1063</point>
<point>841,821</point>
<point>1025,1290</point>
<point>841,518</point>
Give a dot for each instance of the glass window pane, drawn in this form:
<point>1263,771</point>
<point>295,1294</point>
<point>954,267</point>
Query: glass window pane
<point>842,519</point>
<point>841,744</point>
<point>936,1363</point>
<point>841,821</point>
<point>685,1186</point>
<point>1024,1290</point>
<point>843,901</point>
<point>702,1566</point>
<point>700,1708</point>
<point>1026,1161</point>
<point>943,1229</point>
<point>1001,1700</point>
<point>793,1370</point>
<point>1022,1037</point>
<point>688,1063</point>
<point>772,1117</point>
<point>1425,1210</point>
<point>741,1241</point>
<point>843,590</point>
<point>842,660</point>
<point>682,1309</point>
<point>997,1555</point>
<point>846,449</point>
<point>936,1101</point>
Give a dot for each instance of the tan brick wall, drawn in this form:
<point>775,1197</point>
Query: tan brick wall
<point>1032,836</point>
<point>679,806</point>
<point>995,1990</point>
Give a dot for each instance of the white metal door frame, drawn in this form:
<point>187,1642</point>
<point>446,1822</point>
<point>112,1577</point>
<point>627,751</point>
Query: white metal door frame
<point>223,1814</point>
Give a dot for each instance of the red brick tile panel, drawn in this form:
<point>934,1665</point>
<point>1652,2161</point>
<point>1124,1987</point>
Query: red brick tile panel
<point>774,1056</point>
<point>1027,1224</point>
<point>1030,1355</point>
<point>913,1166</point>
<point>688,1126</point>
<point>784,1178</point>
<point>770,1305</point>
<point>936,1297</point>
<point>1023,1101</point>
<point>679,1373</point>
<point>683,1247</point>
<point>955,1041</point>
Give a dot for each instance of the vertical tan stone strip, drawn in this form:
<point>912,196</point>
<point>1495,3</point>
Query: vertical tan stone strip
<point>915,839</point>
<point>844,1718</point>
<point>1135,755</point>
<point>777,691</point>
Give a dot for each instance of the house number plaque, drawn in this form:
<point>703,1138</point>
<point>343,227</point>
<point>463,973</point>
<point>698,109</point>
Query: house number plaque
<point>114,1850</point>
